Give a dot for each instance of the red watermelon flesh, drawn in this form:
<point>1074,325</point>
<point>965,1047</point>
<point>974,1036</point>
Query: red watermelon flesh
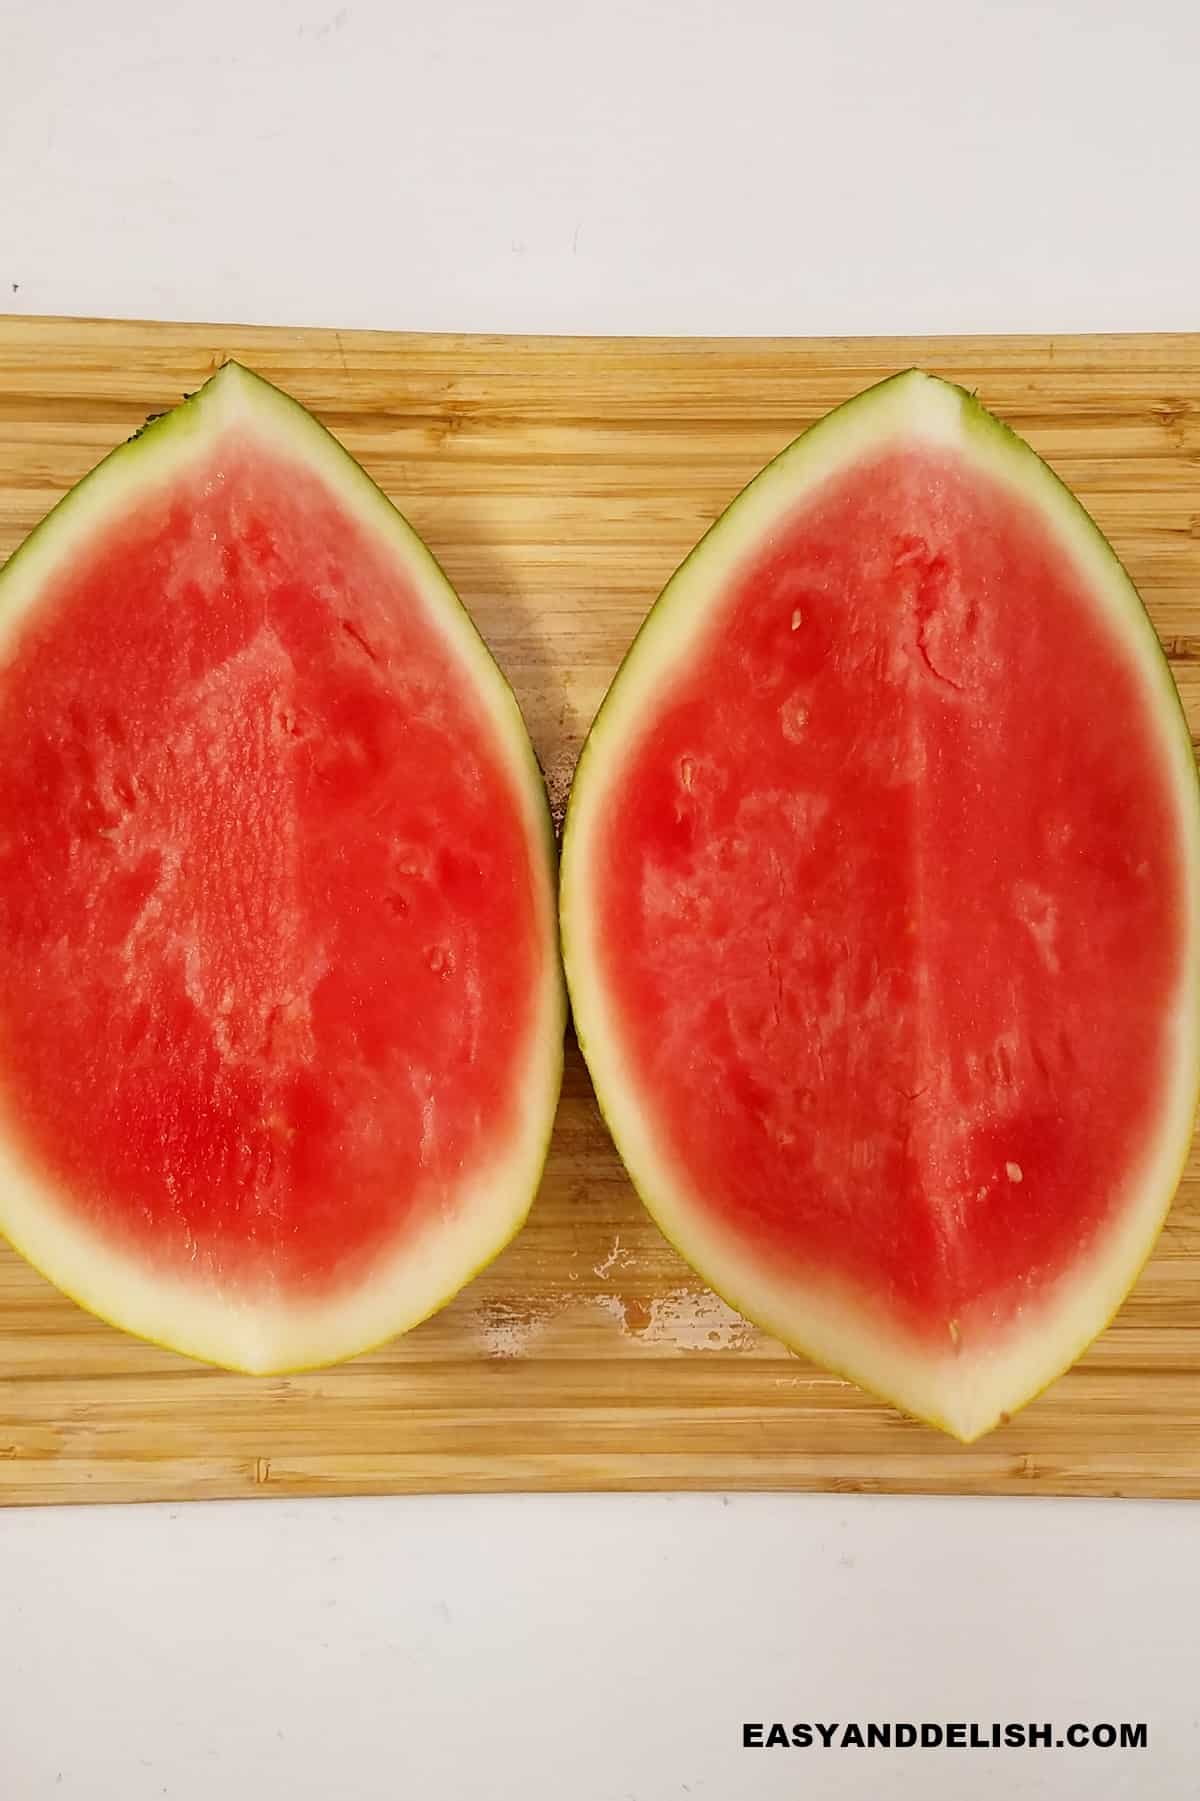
<point>879,902</point>
<point>280,1016</point>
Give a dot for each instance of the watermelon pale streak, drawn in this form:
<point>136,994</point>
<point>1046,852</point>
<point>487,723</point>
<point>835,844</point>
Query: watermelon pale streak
<point>280,1002</point>
<point>879,909</point>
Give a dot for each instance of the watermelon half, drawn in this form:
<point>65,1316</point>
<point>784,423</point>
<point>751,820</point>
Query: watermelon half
<point>281,1008</point>
<point>879,910</point>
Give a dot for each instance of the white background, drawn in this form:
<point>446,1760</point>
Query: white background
<point>536,165</point>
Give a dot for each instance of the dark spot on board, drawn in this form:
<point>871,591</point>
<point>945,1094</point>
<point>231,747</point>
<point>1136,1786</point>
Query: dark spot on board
<point>637,1316</point>
<point>15,286</point>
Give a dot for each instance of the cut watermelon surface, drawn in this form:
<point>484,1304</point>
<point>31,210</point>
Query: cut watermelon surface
<point>879,909</point>
<point>280,1000</point>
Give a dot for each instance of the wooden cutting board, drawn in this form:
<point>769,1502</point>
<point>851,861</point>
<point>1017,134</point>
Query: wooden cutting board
<point>560,481</point>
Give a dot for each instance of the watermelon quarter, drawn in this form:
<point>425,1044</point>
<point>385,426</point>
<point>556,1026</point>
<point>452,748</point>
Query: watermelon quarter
<point>879,909</point>
<point>280,999</point>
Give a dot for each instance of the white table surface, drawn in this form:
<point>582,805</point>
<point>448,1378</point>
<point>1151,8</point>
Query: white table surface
<point>536,165</point>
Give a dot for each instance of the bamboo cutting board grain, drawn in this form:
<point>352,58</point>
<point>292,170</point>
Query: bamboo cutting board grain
<point>559,482</point>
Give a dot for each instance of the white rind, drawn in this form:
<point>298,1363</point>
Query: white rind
<point>966,1394</point>
<point>266,1335</point>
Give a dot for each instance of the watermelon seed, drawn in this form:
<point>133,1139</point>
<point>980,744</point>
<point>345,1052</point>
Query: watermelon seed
<point>125,792</point>
<point>288,724</point>
<point>1014,1172</point>
<point>793,717</point>
<point>687,772</point>
<point>797,620</point>
<point>353,633</point>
